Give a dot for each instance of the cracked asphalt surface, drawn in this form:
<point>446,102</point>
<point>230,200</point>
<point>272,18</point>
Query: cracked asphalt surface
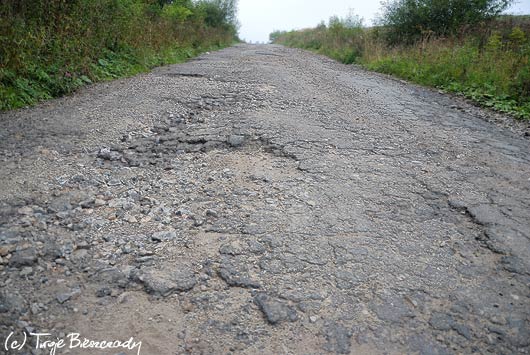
<point>266,200</point>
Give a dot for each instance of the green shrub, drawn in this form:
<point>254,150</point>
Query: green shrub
<point>340,39</point>
<point>51,47</point>
<point>410,20</point>
<point>456,64</point>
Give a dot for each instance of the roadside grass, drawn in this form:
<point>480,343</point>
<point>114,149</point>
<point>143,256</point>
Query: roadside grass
<point>489,66</point>
<point>43,82</point>
<point>51,48</point>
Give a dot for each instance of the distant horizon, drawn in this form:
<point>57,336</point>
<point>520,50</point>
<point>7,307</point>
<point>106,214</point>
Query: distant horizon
<point>259,19</point>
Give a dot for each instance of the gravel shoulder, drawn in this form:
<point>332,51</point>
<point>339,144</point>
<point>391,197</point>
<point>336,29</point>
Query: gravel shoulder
<point>266,200</point>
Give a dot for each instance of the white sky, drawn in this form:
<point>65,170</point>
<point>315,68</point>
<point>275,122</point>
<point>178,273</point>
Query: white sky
<point>259,18</point>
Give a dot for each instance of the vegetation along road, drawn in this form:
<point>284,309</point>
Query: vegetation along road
<point>266,200</point>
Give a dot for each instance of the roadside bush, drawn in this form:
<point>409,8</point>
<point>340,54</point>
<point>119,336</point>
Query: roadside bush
<point>491,67</point>
<point>341,39</point>
<point>410,20</point>
<point>51,47</point>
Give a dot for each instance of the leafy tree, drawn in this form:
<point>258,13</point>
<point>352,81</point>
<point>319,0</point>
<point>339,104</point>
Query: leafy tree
<point>177,11</point>
<point>409,20</point>
<point>217,13</point>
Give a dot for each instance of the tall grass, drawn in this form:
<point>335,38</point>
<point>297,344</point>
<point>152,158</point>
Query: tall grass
<point>51,47</point>
<point>488,65</point>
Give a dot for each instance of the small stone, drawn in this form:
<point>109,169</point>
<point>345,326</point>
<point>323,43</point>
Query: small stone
<point>233,248</point>
<point>275,311</point>
<point>26,211</point>
<point>5,250</point>
<point>228,173</point>
<point>35,308</point>
<point>211,213</point>
<point>108,154</point>
<point>60,205</point>
<point>79,256</point>
<point>313,319</point>
<point>82,245</point>
<point>186,306</point>
<point>165,283</point>
<point>63,297</point>
<point>163,235</point>
<point>116,202</point>
<point>237,276</point>
<point>183,212</point>
<point>88,203</point>
<point>114,182</point>
<point>104,291</point>
<point>26,271</point>
<point>99,202</point>
<point>25,257</point>
<point>256,247</point>
<point>145,252</point>
<point>235,140</point>
<point>131,219</point>
<point>123,298</point>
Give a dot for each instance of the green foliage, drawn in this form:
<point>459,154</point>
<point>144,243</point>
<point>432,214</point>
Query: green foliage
<point>219,13</point>
<point>462,68</point>
<point>410,20</point>
<point>176,11</point>
<point>51,47</point>
<point>342,39</point>
<point>456,64</point>
<point>275,35</point>
<point>494,42</point>
<point>517,36</point>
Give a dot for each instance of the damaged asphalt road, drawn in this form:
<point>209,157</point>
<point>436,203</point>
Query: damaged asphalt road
<point>266,200</point>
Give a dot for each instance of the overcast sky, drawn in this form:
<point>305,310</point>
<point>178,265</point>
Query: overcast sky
<point>259,18</point>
